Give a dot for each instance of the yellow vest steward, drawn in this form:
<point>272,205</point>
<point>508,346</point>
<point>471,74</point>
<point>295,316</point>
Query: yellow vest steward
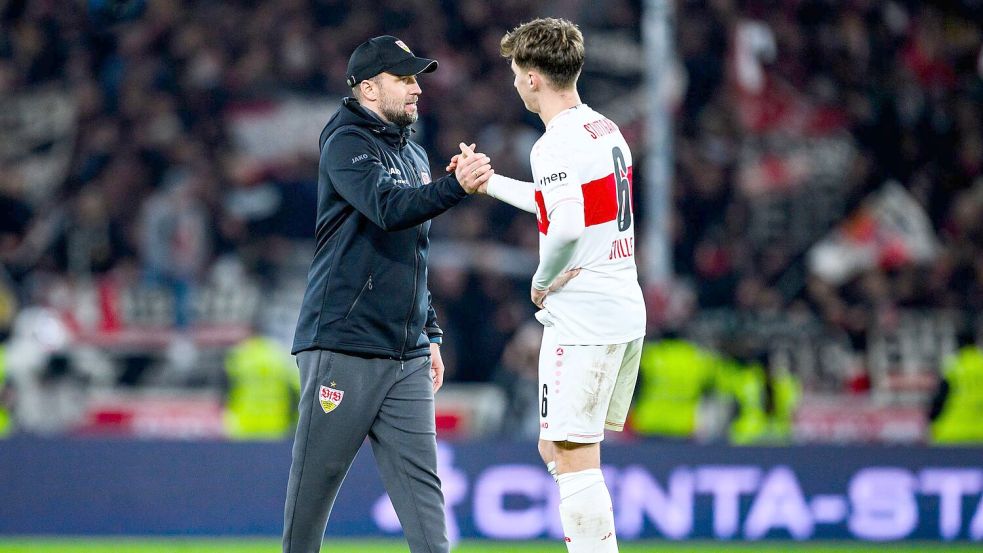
<point>749,391</point>
<point>4,415</point>
<point>754,424</point>
<point>961,420</point>
<point>263,386</point>
<point>674,375</point>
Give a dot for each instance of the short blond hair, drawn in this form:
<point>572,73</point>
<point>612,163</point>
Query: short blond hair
<point>553,46</point>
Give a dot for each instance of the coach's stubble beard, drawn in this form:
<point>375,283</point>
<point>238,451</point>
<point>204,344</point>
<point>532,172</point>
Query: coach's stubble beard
<point>394,110</point>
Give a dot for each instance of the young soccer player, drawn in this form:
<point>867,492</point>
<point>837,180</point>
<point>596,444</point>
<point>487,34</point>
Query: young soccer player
<point>586,284</point>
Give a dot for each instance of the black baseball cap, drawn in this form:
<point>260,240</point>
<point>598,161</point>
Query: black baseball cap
<point>385,54</point>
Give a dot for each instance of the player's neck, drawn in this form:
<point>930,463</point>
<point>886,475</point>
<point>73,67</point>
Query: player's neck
<point>551,105</point>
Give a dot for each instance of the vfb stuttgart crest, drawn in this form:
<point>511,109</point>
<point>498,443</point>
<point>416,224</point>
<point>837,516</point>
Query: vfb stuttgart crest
<point>403,45</point>
<point>330,398</point>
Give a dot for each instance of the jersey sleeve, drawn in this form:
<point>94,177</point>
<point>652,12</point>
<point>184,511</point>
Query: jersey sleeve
<point>556,176</point>
<point>557,247</point>
<point>518,193</point>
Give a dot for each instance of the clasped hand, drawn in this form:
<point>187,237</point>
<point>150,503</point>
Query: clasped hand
<point>473,170</point>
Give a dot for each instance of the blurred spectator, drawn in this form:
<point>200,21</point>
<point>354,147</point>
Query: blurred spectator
<point>89,242</point>
<point>518,374</point>
<point>36,363</point>
<point>175,242</point>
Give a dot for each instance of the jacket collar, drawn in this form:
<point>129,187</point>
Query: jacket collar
<point>392,134</point>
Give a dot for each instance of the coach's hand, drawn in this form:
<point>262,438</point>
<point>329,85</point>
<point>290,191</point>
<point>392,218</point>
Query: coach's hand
<point>436,368</point>
<point>458,157</point>
<point>473,170</point>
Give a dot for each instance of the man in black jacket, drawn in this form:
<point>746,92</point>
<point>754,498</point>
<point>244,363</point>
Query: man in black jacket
<point>367,341</point>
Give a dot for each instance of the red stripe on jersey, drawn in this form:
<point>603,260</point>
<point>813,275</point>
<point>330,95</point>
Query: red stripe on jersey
<point>600,202</point>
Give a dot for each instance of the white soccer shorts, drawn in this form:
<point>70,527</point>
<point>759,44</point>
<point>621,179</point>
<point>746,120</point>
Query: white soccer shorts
<point>584,390</point>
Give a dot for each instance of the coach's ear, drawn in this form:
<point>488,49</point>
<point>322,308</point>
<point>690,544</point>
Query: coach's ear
<point>369,90</point>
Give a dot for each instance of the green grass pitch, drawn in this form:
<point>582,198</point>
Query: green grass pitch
<point>139,545</point>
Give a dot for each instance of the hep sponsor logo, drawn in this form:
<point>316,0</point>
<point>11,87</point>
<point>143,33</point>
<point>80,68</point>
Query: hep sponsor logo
<point>555,177</point>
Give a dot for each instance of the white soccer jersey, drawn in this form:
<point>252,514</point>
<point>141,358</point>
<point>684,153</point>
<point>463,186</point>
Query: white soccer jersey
<point>583,157</point>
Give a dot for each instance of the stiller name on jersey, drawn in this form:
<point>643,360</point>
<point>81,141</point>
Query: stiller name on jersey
<point>622,247</point>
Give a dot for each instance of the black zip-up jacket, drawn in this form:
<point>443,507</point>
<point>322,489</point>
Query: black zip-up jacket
<point>367,289</point>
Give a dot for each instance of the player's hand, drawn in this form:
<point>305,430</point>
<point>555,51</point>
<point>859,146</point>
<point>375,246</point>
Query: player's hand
<point>563,279</point>
<point>436,367</point>
<point>538,296</point>
<point>473,170</point>
<point>457,157</point>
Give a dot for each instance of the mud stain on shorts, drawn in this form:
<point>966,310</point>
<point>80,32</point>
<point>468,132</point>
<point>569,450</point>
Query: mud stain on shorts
<point>598,381</point>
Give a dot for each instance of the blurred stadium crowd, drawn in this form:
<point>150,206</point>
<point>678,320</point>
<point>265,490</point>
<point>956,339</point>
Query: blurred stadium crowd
<point>157,185</point>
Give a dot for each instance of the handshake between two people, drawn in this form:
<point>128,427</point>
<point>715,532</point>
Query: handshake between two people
<point>473,170</point>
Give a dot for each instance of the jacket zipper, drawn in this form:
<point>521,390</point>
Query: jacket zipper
<point>366,286</point>
<point>416,269</point>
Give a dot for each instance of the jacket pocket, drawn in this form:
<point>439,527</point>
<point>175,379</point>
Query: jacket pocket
<point>366,286</point>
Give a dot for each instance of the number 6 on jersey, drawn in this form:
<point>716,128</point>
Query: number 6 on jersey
<point>623,188</point>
